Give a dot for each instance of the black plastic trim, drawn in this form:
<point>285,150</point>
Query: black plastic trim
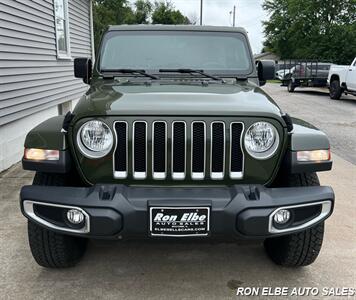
<point>120,211</point>
<point>61,166</point>
<point>288,121</point>
<point>66,121</point>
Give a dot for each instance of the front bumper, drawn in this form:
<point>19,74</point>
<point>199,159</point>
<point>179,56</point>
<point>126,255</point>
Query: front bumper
<point>122,212</point>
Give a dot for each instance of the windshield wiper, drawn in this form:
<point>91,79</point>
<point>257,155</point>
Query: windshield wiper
<point>131,71</point>
<point>192,71</point>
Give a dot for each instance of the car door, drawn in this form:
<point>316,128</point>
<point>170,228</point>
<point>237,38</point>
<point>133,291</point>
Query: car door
<point>351,76</point>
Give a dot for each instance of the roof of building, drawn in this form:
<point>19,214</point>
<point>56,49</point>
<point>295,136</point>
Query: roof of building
<point>264,54</point>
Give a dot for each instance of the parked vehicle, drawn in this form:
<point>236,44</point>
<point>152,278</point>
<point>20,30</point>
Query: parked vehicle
<point>284,74</point>
<point>342,79</point>
<point>308,74</point>
<point>284,71</point>
<point>175,140</point>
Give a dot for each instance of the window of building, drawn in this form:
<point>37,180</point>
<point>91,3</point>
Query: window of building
<point>62,28</point>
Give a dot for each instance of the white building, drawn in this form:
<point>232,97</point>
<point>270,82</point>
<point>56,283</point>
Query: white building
<point>38,41</point>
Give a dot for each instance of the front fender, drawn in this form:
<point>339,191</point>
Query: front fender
<point>48,135</point>
<point>306,137</point>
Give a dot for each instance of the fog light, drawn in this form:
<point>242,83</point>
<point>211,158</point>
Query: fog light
<point>282,216</point>
<point>75,216</point>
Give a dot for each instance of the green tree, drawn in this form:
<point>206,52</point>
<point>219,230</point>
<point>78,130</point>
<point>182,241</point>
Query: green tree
<point>165,13</point>
<point>143,10</point>
<point>109,12</point>
<point>311,29</point>
<point>141,13</point>
<point>116,12</point>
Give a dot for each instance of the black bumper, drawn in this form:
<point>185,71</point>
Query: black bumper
<point>121,212</point>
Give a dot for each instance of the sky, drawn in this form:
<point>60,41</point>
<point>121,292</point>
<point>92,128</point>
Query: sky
<point>249,14</point>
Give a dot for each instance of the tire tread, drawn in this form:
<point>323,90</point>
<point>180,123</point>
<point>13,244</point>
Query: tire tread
<point>51,249</point>
<point>302,248</point>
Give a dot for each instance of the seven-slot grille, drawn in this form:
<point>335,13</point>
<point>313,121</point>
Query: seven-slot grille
<point>179,150</point>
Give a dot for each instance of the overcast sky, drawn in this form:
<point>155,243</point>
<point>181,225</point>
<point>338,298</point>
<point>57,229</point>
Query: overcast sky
<point>249,14</point>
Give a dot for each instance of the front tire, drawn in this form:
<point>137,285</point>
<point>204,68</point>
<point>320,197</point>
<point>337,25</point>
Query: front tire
<point>302,248</point>
<point>51,249</point>
<point>54,250</point>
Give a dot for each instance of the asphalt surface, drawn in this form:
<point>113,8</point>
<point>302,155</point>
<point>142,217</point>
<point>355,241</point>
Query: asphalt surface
<point>337,118</point>
<point>142,270</point>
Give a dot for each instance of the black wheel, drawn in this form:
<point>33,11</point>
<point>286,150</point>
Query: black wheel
<point>302,248</point>
<point>335,89</point>
<point>51,249</point>
<point>291,86</point>
<point>286,79</point>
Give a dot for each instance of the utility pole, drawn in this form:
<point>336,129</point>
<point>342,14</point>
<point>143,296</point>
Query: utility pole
<point>201,12</point>
<point>234,16</point>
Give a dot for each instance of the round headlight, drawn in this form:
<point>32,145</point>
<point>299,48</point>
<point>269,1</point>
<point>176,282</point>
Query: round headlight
<point>95,139</point>
<point>261,140</point>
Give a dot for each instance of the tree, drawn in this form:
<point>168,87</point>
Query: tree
<point>311,29</point>
<point>109,12</point>
<point>165,13</point>
<point>116,12</point>
<point>142,12</point>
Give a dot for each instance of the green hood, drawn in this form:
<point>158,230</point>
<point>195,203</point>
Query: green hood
<point>106,98</point>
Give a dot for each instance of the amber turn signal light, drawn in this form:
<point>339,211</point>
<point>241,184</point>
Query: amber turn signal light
<point>41,154</point>
<point>314,155</point>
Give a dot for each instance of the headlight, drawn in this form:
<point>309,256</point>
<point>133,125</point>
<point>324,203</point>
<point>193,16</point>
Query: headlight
<point>95,139</point>
<point>261,140</point>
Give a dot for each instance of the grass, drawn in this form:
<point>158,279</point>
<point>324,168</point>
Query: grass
<point>273,81</point>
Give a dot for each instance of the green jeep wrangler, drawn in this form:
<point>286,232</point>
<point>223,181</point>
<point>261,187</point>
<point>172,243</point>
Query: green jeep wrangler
<point>175,140</point>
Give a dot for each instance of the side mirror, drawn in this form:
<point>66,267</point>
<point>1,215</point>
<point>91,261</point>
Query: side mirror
<point>265,70</point>
<point>83,69</point>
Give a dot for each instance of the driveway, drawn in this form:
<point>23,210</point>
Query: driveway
<point>132,270</point>
<point>337,118</point>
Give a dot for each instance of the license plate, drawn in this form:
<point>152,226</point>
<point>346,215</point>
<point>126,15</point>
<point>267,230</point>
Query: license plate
<point>179,221</point>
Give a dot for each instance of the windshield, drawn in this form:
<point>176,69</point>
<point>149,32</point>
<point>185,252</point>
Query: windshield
<point>213,52</point>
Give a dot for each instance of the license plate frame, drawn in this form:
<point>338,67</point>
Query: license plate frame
<point>179,228</point>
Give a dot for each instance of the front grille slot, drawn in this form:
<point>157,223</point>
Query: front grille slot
<point>217,156</point>
<point>140,150</point>
<point>198,150</point>
<point>236,157</point>
<point>159,150</point>
<point>178,150</point>
<point>121,151</point>
<point>179,146</point>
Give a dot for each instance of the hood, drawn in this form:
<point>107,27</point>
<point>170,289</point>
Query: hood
<point>106,98</point>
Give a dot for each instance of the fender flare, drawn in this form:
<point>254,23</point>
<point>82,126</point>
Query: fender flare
<point>49,135</point>
<point>305,137</point>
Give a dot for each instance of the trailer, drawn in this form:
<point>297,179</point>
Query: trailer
<point>305,73</point>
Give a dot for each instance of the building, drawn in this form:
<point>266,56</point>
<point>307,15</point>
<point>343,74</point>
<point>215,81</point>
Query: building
<point>38,41</point>
<point>267,56</point>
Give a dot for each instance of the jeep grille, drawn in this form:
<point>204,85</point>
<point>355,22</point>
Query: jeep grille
<point>178,150</point>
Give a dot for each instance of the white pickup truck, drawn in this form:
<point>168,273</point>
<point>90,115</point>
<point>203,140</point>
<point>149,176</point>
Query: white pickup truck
<point>342,79</point>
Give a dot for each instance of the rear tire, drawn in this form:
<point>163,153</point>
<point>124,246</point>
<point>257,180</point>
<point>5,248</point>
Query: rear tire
<point>291,86</point>
<point>51,249</point>
<point>335,90</point>
<point>302,248</point>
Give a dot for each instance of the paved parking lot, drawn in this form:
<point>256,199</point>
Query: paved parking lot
<point>131,270</point>
<point>337,118</point>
